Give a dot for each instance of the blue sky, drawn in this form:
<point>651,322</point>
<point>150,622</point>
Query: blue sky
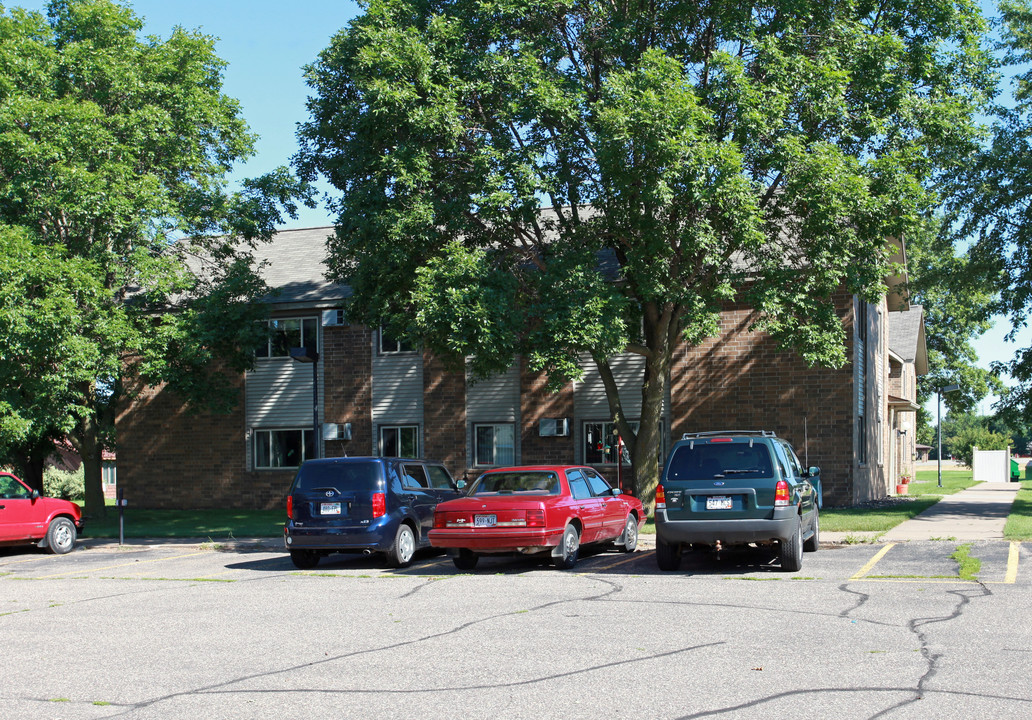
<point>266,44</point>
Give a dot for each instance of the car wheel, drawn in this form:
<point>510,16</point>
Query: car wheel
<point>628,542</point>
<point>668,555</point>
<point>60,536</point>
<point>568,548</point>
<point>790,551</point>
<point>304,559</point>
<point>466,559</point>
<point>813,543</point>
<point>400,555</point>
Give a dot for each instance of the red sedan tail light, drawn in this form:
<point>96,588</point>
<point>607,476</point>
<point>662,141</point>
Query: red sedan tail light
<point>781,495</point>
<point>290,507</point>
<point>446,519</point>
<point>379,505</point>
<point>535,518</point>
<point>660,498</point>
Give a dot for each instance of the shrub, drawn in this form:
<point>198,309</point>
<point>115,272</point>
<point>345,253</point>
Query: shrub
<point>63,484</point>
<point>962,444</point>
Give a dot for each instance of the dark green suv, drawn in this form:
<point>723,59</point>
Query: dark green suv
<point>734,488</point>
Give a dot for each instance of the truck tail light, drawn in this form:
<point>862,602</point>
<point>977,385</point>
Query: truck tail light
<point>379,505</point>
<point>535,518</point>
<point>660,498</point>
<point>781,494</point>
<point>290,507</point>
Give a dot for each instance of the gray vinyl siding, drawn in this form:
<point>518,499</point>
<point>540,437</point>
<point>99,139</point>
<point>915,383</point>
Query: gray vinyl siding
<point>397,387</point>
<point>279,394</point>
<point>494,400</point>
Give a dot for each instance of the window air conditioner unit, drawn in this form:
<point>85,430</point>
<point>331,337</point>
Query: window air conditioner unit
<point>332,317</point>
<point>333,431</point>
<point>554,427</point>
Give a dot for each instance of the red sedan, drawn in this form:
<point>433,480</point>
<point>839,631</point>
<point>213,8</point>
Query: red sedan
<point>26,517</point>
<point>545,508</point>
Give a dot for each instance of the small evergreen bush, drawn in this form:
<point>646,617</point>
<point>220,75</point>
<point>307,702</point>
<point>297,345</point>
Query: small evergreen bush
<point>63,484</point>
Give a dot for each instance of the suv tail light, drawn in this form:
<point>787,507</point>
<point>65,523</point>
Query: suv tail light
<point>290,507</point>
<point>781,494</point>
<point>660,498</point>
<point>535,518</point>
<point>379,505</point>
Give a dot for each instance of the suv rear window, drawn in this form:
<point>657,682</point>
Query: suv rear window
<point>710,460</point>
<point>340,476</point>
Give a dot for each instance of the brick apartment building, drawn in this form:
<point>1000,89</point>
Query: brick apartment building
<point>378,396</point>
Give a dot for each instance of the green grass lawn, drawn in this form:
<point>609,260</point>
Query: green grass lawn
<point>214,524</point>
<point>1019,524</point>
<point>873,518</point>
<point>927,482</point>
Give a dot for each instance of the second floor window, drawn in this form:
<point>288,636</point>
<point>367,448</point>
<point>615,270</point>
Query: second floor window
<point>286,333</point>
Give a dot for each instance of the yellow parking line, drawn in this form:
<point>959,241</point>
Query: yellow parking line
<point>1012,564</point>
<point>77,572</point>
<point>872,562</point>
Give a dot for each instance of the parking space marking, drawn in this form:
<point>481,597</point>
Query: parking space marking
<point>1012,564</point>
<point>78,572</point>
<point>872,562</point>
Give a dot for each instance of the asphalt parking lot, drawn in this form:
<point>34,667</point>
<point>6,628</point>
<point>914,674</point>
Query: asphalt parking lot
<point>204,631</point>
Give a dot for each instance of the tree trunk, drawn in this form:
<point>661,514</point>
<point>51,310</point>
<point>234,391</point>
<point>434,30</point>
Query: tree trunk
<point>644,445</point>
<point>646,463</point>
<point>88,443</point>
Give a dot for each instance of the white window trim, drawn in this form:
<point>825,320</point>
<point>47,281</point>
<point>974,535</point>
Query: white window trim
<point>494,449</point>
<point>301,319</point>
<point>381,351</point>
<point>254,446</point>
<point>400,426</point>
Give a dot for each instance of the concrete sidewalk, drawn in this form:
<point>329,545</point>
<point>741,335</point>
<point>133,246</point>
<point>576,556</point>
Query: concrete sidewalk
<point>978,513</point>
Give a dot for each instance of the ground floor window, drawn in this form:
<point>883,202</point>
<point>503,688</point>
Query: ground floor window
<point>494,444</point>
<point>399,441</point>
<point>600,443</point>
<point>283,448</point>
<point>107,470</point>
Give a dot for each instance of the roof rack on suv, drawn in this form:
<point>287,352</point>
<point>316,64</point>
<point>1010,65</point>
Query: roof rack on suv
<point>721,433</point>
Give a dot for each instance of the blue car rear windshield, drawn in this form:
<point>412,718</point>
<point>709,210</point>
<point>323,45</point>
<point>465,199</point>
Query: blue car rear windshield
<point>730,460</point>
<point>339,476</point>
<point>532,483</point>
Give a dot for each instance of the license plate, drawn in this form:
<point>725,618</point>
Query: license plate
<point>719,502</point>
<point>485,520</point>
<point>330,509</point>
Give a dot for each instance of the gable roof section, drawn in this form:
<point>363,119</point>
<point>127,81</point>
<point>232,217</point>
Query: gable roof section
<point>295,270</point>
<point>907,337</point>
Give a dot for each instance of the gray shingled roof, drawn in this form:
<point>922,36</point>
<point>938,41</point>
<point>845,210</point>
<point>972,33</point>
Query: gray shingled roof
<point>906,336</point>
<point>296,268</point>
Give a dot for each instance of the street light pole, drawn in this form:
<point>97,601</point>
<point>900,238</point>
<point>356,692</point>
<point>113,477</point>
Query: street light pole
<point>938,427</point>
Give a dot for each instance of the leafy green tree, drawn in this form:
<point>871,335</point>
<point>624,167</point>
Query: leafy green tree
<point>45,298</point>
<point>959,294</point>
<point>114,152</point>
<point>965,439</point>
<point>689,155</point>
<point>995,209</point>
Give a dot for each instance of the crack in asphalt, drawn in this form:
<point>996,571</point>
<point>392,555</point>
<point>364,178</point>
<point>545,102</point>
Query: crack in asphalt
<point>222,687</point>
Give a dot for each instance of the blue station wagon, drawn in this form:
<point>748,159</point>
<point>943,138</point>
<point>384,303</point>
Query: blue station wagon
<point>364,504</point>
